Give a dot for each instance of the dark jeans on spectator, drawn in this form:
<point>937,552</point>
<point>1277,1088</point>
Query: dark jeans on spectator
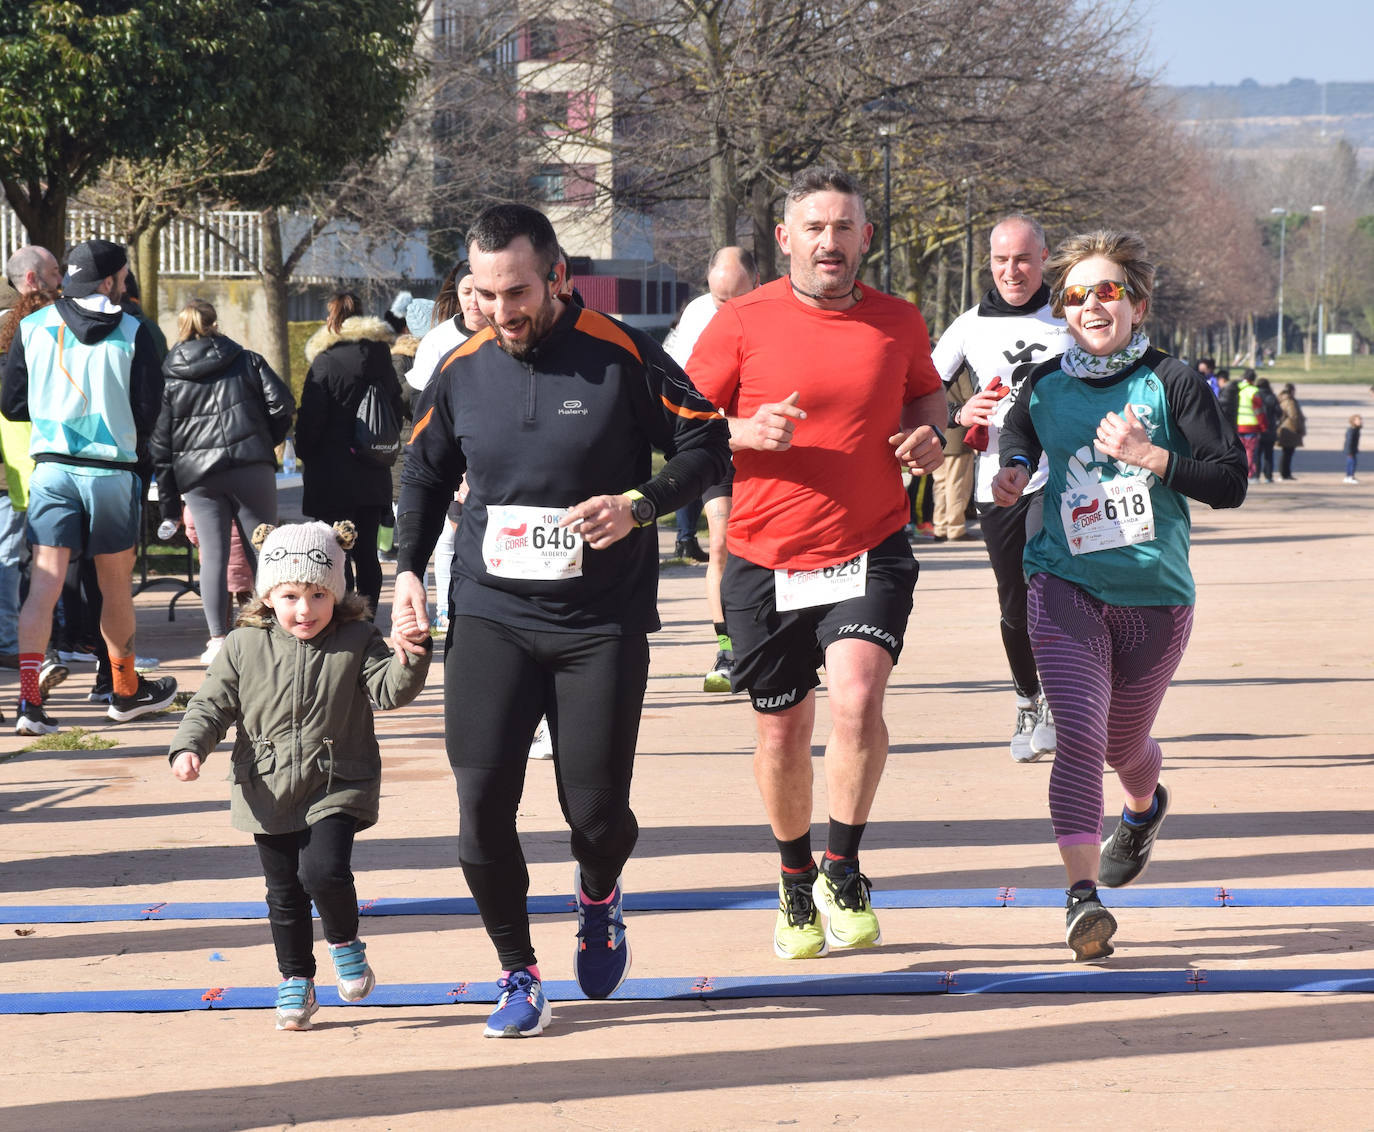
<point>687,519</point>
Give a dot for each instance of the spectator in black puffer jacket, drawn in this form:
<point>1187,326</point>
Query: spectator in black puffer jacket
<point>224,411</point>
<point>351,352</point>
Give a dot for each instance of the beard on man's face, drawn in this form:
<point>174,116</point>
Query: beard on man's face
<point>532,329</point>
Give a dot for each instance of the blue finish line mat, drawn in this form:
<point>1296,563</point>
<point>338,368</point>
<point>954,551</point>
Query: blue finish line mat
<point>1009,897</point>
<point>1190,981</point>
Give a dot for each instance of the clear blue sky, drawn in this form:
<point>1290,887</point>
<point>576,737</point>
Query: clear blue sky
<point>1196,42</point>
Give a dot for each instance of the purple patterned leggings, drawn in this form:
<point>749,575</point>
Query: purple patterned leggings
<point>1104,669</point>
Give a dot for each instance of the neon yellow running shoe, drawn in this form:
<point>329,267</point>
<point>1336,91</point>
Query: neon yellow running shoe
<point>844,902</point>
<point>718,679</point>
<point>798,933</point>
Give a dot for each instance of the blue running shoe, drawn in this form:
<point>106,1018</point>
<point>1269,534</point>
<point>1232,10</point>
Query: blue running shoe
<point>603,953</point>
<point>522,1011</point>
<point>355,976</point>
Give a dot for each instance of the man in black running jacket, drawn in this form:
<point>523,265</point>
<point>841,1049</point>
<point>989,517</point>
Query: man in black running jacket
<point>553,413</point>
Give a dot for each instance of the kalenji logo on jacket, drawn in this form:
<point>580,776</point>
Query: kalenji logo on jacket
<point>572,409</point>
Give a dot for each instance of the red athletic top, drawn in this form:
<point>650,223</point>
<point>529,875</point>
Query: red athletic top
<point>838,490</point>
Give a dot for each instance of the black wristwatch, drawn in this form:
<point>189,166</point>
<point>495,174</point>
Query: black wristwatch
<point>642,510</point>
<point>940,436</point>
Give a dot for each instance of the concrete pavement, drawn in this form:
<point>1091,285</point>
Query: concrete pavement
<point>1268,735</point>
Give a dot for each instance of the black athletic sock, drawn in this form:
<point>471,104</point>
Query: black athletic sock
<point>796,854</point>
<point>843,840</point>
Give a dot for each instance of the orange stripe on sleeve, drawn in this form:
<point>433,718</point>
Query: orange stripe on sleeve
<point>420,425</point>
<point>597,325</point>
<point>483,335</point>
<point>689,414</point>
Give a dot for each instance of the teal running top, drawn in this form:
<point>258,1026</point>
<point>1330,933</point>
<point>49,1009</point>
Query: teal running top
<point>1115,530</point>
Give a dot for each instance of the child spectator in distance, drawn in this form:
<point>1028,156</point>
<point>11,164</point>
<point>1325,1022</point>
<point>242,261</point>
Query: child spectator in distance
<point>298,678</point>
<point>1352,447</point>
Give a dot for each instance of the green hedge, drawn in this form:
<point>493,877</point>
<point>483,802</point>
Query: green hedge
<point>298,334</point>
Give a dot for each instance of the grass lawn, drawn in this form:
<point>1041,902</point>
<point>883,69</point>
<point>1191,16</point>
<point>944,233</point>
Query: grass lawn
<point>1358,369</point>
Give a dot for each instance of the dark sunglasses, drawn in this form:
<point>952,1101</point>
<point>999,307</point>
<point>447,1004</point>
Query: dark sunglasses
<point>1107,291</point>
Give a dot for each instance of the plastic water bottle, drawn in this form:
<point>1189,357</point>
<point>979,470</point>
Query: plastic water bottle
<point>288,458</point>
<point>166,529</point>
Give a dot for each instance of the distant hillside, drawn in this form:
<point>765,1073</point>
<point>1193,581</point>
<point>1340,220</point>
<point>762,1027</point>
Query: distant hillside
<point>1297,113</point>
<point>1296,98</point>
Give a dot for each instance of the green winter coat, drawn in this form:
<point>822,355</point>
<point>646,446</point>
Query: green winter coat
<point>306,745</point>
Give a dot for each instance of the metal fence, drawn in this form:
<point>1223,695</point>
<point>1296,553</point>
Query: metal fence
<point>213,244</point>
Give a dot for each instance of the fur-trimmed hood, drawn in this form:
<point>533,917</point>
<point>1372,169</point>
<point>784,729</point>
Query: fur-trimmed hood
<point>355,329</point>
<point>406,344</point>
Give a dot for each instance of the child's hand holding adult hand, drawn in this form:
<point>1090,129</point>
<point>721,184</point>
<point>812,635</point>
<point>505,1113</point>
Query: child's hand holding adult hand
<point>414,635</point>
<point>186,766</point>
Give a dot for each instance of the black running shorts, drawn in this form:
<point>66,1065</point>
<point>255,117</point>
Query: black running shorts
<point>777,654</point>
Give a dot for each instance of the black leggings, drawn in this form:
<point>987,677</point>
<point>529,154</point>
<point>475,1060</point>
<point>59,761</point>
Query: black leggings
<point>1004,535</point>
<point>310,864</point>
<point>498,681</point>
<point>240,497</point>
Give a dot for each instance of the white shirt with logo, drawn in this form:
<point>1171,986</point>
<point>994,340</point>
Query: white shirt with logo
<point>1006,346</point>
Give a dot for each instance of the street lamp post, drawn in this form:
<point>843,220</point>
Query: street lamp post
<point>890,113</point>
<point>1282,213</point>
<point>1321,284</point>
<point>886,135</point>
<point>966,288</point>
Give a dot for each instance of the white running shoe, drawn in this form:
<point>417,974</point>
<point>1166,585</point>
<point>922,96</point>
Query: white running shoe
<point>1043,739</point>
<point>212,647</point>
<point>542,746</point>
<point>1027,716</point>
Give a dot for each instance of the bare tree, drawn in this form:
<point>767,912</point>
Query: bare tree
<point>990,104</point>
<point>143,197</point>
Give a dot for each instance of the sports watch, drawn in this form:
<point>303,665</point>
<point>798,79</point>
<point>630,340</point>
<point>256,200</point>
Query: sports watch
<point>642,510</point>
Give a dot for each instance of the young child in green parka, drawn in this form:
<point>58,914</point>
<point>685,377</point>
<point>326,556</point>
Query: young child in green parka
<point>298,678</point>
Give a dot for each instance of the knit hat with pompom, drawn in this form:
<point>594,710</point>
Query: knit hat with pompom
<point>310,554</point>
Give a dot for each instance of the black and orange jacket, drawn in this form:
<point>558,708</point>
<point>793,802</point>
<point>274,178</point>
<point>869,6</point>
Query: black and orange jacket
<point>579,416</point>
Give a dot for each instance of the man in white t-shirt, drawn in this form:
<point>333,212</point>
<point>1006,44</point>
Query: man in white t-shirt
<point>1001,340</point>
<point>732,273</point>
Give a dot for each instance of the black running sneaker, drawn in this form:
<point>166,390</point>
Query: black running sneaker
<point>31,719</point>
<point>1126,853</point>
<point>51,673</point>
<point>1089,926</point>
<point>102,693</point>
<point>152,695</point>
